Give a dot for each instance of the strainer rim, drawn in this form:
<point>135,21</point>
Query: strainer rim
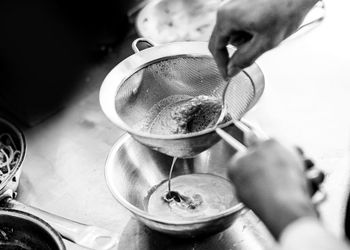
<point>170,50</point>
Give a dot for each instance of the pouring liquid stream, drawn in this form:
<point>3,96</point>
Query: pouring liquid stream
<point>190,195</point>
<point>172,195</point>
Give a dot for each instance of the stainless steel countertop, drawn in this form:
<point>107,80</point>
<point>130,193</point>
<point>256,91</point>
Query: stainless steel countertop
<point>306,102</point>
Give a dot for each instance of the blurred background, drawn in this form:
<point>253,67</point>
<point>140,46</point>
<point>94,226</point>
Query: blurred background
<point>45,47</point>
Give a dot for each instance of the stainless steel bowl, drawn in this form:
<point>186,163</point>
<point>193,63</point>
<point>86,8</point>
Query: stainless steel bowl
<point>132,169</point>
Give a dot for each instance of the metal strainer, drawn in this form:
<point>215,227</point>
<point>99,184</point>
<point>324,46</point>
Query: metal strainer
<point>160,73</point>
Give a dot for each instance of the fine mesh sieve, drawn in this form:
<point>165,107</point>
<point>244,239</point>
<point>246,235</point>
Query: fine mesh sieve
<point>166,73</point>
<point>166,81</point>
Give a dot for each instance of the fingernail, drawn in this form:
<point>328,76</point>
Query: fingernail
<point>252,139</point>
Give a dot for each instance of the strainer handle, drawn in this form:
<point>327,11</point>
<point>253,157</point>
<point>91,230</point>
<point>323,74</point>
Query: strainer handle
<point>137,41</point>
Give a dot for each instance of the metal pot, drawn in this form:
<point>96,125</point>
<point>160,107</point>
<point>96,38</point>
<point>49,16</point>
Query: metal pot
<point>20,230</point>
<point>85,235</point>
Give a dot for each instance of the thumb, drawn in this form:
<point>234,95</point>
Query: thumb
<point>252,139</point>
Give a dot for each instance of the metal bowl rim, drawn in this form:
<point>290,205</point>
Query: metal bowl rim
<point>120,142</point>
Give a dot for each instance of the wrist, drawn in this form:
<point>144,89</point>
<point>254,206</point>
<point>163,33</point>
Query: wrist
<point>307,5</point>
<point>286,211</point>
<point>299,8</point>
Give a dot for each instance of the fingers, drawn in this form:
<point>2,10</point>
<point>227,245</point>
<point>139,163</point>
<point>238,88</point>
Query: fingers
<point>217,46</point>
<point>238,173</point>
<point>314,175</point>
<point>247,53</point>
<point>244,56</point>
<point>252,139</point>
<point>245,162</point>
<point>259,154</point>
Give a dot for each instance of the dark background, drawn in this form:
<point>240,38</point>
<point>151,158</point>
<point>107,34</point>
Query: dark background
<point>45,46</point>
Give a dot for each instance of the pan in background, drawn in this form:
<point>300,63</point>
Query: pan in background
<point>166,21</point>
<point>23,231</point>
<point>85,235</point>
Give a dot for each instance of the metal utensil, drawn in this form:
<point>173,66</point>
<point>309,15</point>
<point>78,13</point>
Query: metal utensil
<point>149,76</point>
<point>85,235</point>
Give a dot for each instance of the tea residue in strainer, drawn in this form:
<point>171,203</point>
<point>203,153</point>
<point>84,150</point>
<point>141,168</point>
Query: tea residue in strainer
<point>159,86</point>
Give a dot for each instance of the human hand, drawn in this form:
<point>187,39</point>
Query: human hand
<point>270,180</point>
<point>254,27</point>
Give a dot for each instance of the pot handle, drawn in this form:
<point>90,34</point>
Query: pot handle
<point>313,175</point>
<point>84,235</point>
<point>135,44</point>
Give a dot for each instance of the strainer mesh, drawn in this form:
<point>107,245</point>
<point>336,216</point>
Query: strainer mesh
<point>181,75</point>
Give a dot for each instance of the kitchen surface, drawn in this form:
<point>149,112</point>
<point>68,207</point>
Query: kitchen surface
<point>306,103</point>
